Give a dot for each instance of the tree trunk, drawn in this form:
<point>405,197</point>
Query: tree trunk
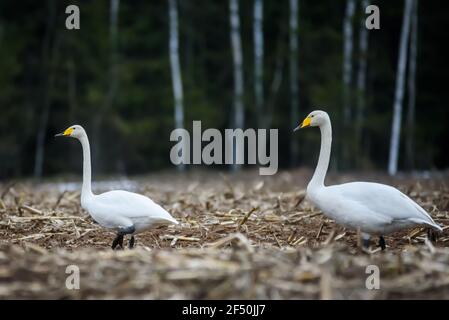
<point>410,144</point>
<point>347,77</point>
<point>399,93</point>
<point>236,45</point>
<point>258,63</point>
<point>71,89</point>
<point>188,8</point>
<point>176,68</point>
<point>112,84</point>
<point>361,79</point>
<point>275,86</point>
<point>71,97</point>
<point>347,60</point>
<point>48,83</point>
<point>294,85</point>
<point>278,73</point>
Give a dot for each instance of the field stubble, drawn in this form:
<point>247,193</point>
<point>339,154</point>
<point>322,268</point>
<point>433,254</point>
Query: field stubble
<point>240,237</point>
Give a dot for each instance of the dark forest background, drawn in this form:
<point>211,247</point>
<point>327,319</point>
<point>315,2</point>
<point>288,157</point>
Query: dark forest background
<point>51,77</point>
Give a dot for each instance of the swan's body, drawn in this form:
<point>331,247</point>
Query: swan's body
<point>374,208</point>
<point>117,209</point>
<point>123,211</point>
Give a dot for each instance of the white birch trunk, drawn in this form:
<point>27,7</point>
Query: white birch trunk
<point>399,93</point>
<point>236,45</point>
<point>258,62</point>
<point>361,75</point>
<point>294,85</point>
<point>176,68</point>
<point>347,60</point>
<point>175,64</point>
<point>410,144</point>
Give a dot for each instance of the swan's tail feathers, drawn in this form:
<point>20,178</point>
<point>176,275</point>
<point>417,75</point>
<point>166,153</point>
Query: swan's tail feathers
<point>437,227</point>
<point>174,221</point>
<point>168,218</point>
<point>430,223</point>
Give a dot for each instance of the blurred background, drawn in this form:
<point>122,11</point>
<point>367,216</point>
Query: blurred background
<point>135,70</point>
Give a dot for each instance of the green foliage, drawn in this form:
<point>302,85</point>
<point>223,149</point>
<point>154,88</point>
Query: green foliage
<point>134,133</point>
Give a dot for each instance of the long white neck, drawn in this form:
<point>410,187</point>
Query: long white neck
<point>86,191</point>
<point>325,153</point>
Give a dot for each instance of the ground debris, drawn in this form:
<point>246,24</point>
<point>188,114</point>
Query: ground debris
<point>239,238</point>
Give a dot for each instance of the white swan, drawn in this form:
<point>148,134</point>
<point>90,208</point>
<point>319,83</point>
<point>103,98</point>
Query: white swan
<point>375,209</point>
<point>123,211</point>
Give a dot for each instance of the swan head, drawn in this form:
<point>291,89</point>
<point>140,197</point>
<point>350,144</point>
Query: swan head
<point>314,119</point>
<point>75,131</point>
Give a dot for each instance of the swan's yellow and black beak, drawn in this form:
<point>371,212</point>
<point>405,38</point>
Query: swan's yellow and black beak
<point>66,133</point>
<point>305,123</point>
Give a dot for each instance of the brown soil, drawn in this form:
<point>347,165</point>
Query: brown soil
<point>241,237</point>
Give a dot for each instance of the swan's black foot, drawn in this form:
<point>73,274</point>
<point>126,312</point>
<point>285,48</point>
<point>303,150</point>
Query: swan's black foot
<point>432,235</point>
<point>382,243</point>
<point>118,241</point>
<point>131,242</point>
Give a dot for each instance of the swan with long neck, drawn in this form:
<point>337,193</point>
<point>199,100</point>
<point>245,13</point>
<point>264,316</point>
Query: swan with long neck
<point>373,208</point>
<point>123,211</point>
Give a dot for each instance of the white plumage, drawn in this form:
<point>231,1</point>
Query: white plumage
<point>118,208</point>
<point>374,208</point>
<point>123,211</point>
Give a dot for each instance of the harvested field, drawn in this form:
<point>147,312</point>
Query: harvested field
<point>240,237</point>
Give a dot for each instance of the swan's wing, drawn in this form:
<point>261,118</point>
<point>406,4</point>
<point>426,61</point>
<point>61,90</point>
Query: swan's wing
<point>348,210</point>
<point>130,205</point>
<point>384,201</point>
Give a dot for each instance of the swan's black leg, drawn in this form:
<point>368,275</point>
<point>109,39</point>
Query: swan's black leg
<point>382,243</point>
<point>131,242</point>
<point>118,241</point>
<point>431,235</point>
